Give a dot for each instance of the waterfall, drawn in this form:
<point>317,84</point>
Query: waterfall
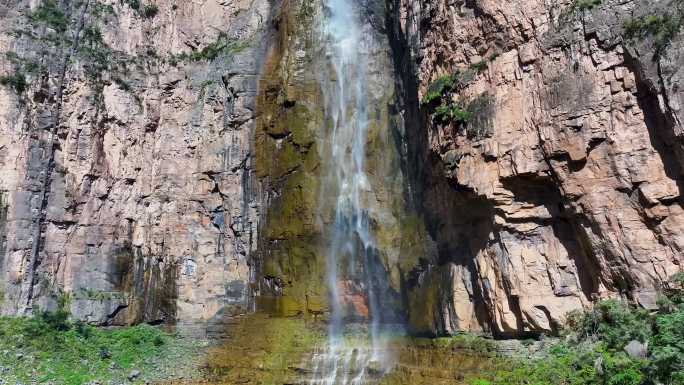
<point>352,266</point>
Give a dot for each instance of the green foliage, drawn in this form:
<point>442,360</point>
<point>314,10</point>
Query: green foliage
<point>16,81</point>
<point>666,348</point>
<point>95,53</point>
<point>661,28</point>
<point>480,381</point>
<point>57,350</point>
<point>439,88</point>
<point>49,14</point>
<point>150,11</point>
<point>132,4</point>
<point>222,45</point>
<point>584,5</point>
<point>451,113</point>
<point>100,10</point>
<point>593,353</point>
<point>480,66</point>
<point>122,84</point>
<point>92,35</point>
<point>444,85</point>
<point>612,322</point>
<point>674,292</point>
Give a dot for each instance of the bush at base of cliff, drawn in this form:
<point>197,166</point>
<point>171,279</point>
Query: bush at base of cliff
<point>48,348</point>
<point>612,344</point>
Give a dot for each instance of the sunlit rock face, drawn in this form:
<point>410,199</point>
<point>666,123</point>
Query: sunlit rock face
<point>126,174</point>
<point>564,185</point>
<point>171,163</point>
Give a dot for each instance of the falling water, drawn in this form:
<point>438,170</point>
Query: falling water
<point>351,253</point>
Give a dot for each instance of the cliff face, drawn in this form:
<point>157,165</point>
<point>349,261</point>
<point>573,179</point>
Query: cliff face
<point>125,167</point>
<point>560,181</point>
<point>524,158</point>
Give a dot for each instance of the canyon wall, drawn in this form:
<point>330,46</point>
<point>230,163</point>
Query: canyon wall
<point>126,177</point>
<point>164,161</point>
<point>559,182</point>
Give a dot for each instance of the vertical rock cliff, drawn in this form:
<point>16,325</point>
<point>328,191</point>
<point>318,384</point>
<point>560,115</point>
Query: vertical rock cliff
<point>126,175</point>
<point>551,155</point>
<point>166,161</point>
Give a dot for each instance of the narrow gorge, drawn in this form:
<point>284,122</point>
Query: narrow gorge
<point>344,184</point>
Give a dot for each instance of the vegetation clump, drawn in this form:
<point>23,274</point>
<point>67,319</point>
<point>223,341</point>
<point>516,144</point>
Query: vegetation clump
<point>595,350</point>
<point>439,102</point>
<point>438,88</point>
<point>150,11</point>
<point>451,113</point>
<point>49,14</point>
<point>222,44</point>
<point>50,348</point>
<point>660,28</point>
<point>132,4</point>
<point>16,81</point>
<point>584,5</point>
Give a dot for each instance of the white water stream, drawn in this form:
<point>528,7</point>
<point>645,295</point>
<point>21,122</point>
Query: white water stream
<point>352,249</point>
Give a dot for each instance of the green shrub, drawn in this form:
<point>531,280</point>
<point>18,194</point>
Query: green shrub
<point>583,5</point>
<point>594,355</point>
<point>16,81</point>
<point>150,11</point>
<point>133,4</point>
<point>92,35</point>
<point>222,45</point>
<point>49,13</point>
<point>612,322</point>
<point>661,28</point>
<point>438,88</point>
<point>451,113</point>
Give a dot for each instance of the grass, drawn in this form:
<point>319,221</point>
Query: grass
<point>50,348</point>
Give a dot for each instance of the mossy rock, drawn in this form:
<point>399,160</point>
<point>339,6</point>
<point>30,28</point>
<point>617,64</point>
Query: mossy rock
<point>292,214</point>
<point>263,349</point>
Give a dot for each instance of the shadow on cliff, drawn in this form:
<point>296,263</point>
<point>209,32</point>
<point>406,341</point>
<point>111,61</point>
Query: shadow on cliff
<point>661,127</point>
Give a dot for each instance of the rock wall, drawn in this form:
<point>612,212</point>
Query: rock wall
<point>126,176</point>
<point>160,161</point>
<point>560,182</point>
